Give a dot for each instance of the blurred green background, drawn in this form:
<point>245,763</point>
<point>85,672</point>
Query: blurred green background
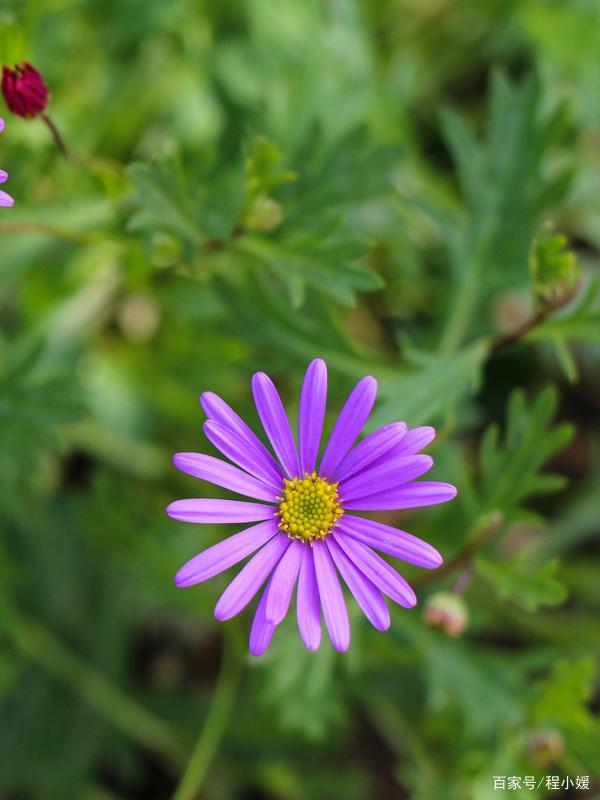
<point>257,183</point>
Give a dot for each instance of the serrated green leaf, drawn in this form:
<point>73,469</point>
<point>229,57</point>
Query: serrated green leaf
<point>431,391</point>
<point>301,684</point>
<point>578,322</point>
<point>36,399</point>
<point>473,682</point>
<point>327,266</point>
<point>160,204</point>
<point>505,191</point>
<point>562,697</point>
<point>510,468</point>
<point>524,584</point>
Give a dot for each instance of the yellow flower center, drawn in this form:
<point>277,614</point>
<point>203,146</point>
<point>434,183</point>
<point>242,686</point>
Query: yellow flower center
<point>309,508</point>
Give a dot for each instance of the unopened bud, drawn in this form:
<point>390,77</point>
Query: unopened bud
<point>264,214</point>
<point>446,612</point>
<point>24,90</point>
<point>545,747</point>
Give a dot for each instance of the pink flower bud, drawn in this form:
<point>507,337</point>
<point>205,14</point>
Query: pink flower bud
<point>545,747</point>
<point>446,612</point>
<point>24,90</point>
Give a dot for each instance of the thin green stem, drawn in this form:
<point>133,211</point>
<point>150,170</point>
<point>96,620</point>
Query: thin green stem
<point>108,700</point>
<point>94,164</point>
<point>58,139</point>
<point>51,230</point>
<point>215,725</point>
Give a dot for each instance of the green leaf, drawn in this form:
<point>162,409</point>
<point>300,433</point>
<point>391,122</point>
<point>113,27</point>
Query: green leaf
<point>160,203</point>
<point>301,685</point>
<point>337,177</point>
<point>328,266</point>
<point>510,469</point>
<point>432,390</point>
<point>475,682</point>
<point>562,697</point>
<point>526,585</point>
<point>505,190</point>
<point>578,322</point>
<point>36,398</point>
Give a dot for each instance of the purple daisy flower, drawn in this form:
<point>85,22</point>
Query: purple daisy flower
<point>5,199</point>
<point>307,533</point>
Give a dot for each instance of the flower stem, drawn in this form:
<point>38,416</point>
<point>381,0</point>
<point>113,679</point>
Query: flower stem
<point>215,725</point>
<point>52,230</point>
<point>507,339</point>
<point>108,168</point>
<point>41,645</point>
<point>58,139</point>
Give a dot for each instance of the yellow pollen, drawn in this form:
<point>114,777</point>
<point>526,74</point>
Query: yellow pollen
<point>309,508</point>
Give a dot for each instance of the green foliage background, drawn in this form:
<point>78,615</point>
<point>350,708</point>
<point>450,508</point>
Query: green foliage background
<point>258,183</point>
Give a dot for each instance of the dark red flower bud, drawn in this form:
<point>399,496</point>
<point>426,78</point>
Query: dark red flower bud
<point>24,90</point>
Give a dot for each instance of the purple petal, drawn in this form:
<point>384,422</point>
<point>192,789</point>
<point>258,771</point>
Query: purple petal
<point>217,409</point>
<point>261,631</point>
<point>244,454</point>
<point>390,540</point>
<point>313,400</point>
<point>275,422</point>
<point>372,447</point>
<point>388,476</point>
<point>308,605</point>
<point>3,175</point>
<point>377,570</point>
<point>225,554</point>
<point>367,596</point>
<point>251,577</point>
<point>203,510</point>
<point>349,424</point>
<point>332,597</point>
<point>6,200</point>
<point>410,444</point>
<point>412,495</point>
<point>416,439</point>
<point>220,473</point>
<point>283,581</point>
<point>1,124</point>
